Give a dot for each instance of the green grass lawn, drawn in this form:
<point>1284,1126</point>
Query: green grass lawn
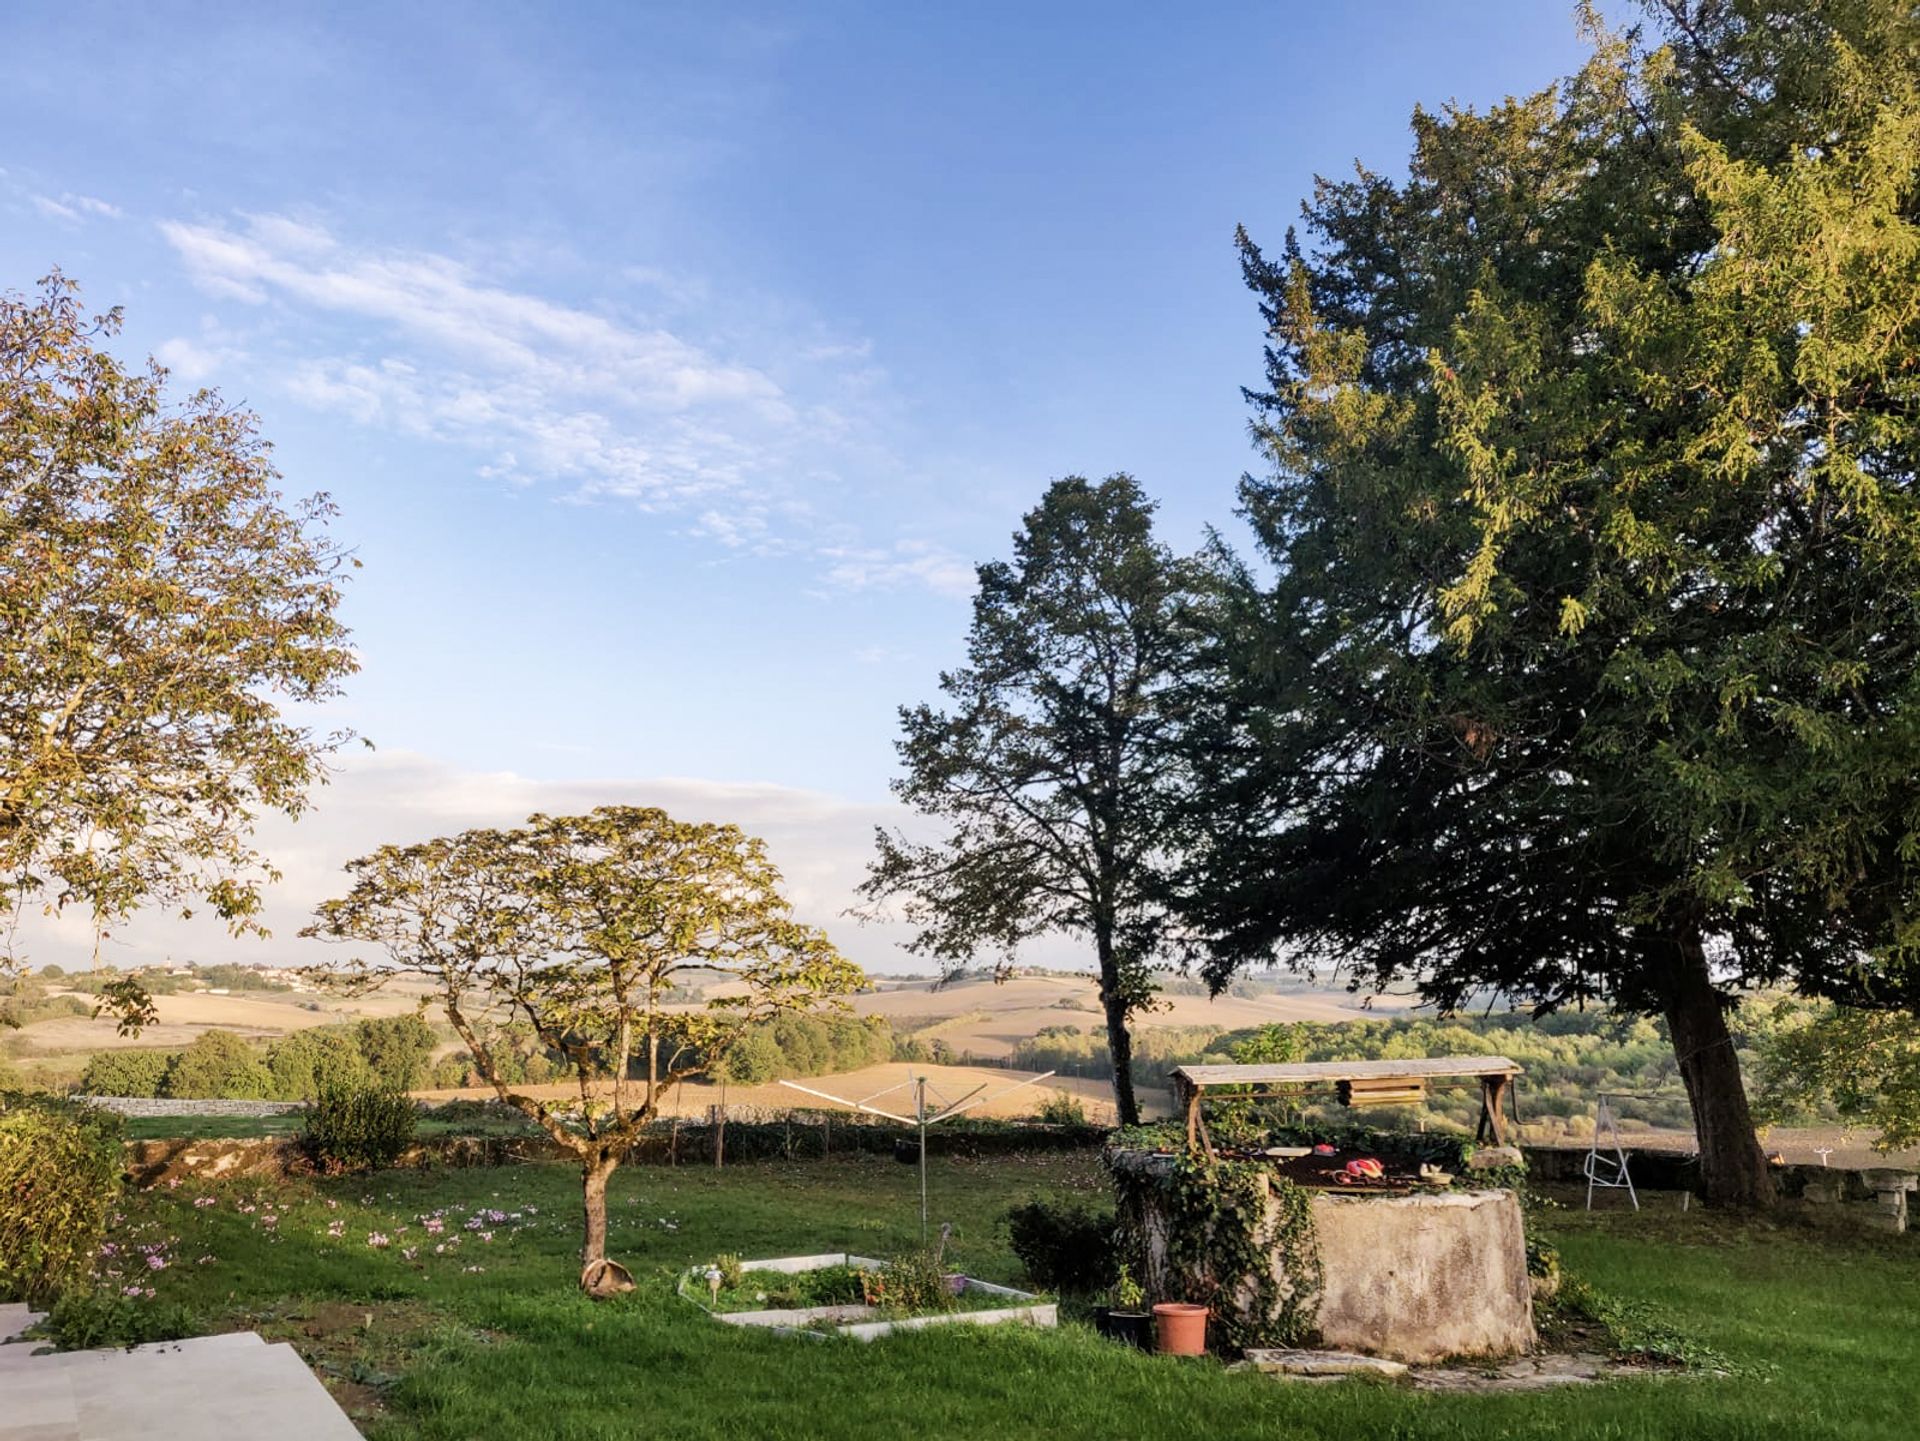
<point>487,1338</point>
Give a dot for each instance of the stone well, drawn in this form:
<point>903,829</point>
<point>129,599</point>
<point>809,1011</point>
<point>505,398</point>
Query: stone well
<point>1415,1277</point>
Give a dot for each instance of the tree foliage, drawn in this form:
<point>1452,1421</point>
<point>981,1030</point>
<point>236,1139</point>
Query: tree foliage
<point>1056,770</point>
<point>1589,674</point>
<point>578,926</point>
<point>161,606</point>
<point>218,1065</point>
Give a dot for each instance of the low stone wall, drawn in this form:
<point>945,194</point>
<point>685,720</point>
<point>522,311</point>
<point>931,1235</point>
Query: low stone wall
<point>167,1106</point>
<point>155,1163</point>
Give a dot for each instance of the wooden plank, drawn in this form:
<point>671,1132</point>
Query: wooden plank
<point>1308,1072</point>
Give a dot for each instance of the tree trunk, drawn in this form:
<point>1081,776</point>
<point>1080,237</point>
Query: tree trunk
<point>595,1173</point>
<point>1119,1039</point>
<point>1733,1169</point>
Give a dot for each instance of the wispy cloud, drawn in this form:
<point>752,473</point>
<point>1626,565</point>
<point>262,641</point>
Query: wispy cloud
<point>905,562</point>
<point>602,407</point>
<point>821,843</point>
<point>75,208</point>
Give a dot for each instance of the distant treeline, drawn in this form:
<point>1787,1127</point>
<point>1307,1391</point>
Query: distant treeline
<point>161,980</point>
<point>793,1045</point>
<point>1567,1057</point>
<point>219,1065</point>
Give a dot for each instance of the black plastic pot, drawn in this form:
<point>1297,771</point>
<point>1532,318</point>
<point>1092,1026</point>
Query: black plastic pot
<point>1132,1328</point>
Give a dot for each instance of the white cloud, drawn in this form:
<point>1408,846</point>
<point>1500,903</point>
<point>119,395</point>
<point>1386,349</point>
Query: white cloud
<point>820,842</point>
<point>906,562</point>
<point>188,359</point>
<point>75,208</point>
<point>548,393</point>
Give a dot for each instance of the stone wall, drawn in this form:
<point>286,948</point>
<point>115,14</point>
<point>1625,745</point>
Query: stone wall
<point>168,1106</point>
<point>155,1163</point>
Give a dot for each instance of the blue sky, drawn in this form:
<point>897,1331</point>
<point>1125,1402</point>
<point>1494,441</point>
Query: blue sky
<point>672,365</point>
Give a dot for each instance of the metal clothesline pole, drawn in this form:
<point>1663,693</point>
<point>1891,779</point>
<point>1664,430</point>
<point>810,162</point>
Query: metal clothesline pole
<point>921,1118</point>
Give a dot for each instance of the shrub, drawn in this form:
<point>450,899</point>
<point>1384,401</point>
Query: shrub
<point>1060,1109</point>
<point>396,1048</point>
<point>125,1073</point>
<point>357,1128</point>
<point>913,1284</point>
<point>306,1062</point>
<point>219,1065</point>
<point>1066,1246</point>
<point>60,1168</point>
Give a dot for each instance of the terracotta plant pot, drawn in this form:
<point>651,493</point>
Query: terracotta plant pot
<point>1180,1329</point>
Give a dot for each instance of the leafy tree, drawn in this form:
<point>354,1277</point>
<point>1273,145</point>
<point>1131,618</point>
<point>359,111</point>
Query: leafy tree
<point>578,927</point>
<point>1864,1064</point>
<point>159,604</point>
<point>218,1066</point>
<point>1056,768</point>
<point>126,1073</point>
<point>303,1063</point>
<point>1589,672</point>
<point>397,1049</point>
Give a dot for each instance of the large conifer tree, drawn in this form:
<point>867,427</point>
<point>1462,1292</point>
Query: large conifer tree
<point>1590,671</point>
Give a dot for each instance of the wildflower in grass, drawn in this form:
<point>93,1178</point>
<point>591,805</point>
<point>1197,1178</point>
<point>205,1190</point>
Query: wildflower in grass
<point>379,1240</point>
<point>410,1252</point>
<point>156,1263</point>
<point>205,1261</point>
<point>486,1236</point>
<point>200,1203</point>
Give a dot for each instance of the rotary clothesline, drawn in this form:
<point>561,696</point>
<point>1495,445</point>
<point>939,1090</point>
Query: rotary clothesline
<point>921,1117</point>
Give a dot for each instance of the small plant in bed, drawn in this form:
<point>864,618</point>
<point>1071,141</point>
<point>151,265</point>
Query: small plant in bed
<point>787,1291</point>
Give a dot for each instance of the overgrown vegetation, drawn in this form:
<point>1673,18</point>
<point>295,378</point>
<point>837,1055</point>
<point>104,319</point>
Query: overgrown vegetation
<point>60,1169</point>
<point>1066,1247</point>
<point>357,1126</point>
<point>388,1051</point>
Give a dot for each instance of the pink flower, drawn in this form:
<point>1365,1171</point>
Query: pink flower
<point>379,1240</point>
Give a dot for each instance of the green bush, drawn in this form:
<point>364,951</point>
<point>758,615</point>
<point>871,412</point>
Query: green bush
<point>396,1048</point>
<point>1065,1246</point>
<point>913,1285</point>
<point>219,1066</point>
<point>357,1128</point>
<point>125,1073</point>
<point>304,1063</point>
<point>1061,1109</point>
<point>60,1168</point>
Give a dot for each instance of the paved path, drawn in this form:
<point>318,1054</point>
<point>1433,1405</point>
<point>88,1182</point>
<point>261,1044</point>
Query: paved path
<point>233,1387</point>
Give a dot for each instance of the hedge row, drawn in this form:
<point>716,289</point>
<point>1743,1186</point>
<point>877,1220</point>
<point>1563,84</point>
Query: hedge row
<point>60,1168</point>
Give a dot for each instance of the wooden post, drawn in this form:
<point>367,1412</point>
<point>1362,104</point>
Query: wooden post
<point>1493,1121</point>
<point>1189,1095</point>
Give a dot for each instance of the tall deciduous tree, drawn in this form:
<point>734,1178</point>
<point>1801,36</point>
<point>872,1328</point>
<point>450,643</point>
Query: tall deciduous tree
<point>1057,768</point>
<point>1594,646</point>
<point>577,926</point>
<point>161,606</point>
